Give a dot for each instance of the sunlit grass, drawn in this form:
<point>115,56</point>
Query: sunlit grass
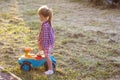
<point>6,15</point>
<point>80,54</point>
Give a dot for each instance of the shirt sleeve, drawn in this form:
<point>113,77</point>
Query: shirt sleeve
<point>39,37</point>
<point>45,40</point>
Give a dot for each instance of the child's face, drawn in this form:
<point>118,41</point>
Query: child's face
<point>41,17</point>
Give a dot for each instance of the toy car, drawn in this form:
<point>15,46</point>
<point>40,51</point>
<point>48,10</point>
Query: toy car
<point>28,61</point>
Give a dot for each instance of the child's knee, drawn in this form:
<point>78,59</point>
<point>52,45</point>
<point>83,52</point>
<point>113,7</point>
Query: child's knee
<point>47,56</point>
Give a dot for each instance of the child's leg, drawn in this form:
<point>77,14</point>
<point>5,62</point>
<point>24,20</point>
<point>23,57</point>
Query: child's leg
<point>47,56</point>
<point>49,62</point>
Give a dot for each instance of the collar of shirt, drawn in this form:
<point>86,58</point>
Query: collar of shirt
<point>44,22</point>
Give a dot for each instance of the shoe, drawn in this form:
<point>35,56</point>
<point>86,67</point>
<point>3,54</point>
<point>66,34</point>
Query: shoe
<point>49,72</point>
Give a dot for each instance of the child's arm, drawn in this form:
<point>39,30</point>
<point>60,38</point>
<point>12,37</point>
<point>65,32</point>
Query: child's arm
<point>40,52</point>
<point>39,42</point>
<point>46,34</point>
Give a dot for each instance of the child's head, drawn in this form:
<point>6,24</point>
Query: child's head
<point>45,13</point>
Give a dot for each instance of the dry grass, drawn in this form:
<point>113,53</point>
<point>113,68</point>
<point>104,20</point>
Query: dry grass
<point>83,50</point>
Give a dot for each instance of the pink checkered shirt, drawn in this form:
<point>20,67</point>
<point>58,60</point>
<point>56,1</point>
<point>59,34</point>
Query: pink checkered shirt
<point>46,36</point>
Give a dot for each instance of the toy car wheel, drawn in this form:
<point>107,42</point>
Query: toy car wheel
<point>46,66</point>
<point>26,66</point>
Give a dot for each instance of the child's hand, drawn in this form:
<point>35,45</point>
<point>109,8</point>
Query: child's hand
<point>40,52</point>
<point>40,47</point>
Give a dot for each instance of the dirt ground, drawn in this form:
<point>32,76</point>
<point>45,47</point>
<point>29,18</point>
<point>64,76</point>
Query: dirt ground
<point>5,75</point>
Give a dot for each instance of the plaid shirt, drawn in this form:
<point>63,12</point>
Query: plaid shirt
<point>46,36</point>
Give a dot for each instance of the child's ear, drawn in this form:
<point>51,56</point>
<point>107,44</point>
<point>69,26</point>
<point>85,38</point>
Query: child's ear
<point>48,18</point>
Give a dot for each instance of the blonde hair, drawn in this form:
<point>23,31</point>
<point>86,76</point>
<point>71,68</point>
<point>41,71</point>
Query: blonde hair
<point>46,12</point>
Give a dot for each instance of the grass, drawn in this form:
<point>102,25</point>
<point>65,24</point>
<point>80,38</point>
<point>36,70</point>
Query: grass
<point>30,12</point>
<point>75,0</point>
<point>80,54</point>
<point>5,15</point>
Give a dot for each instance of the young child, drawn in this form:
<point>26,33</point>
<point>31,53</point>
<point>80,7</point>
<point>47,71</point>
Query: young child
<point>46,36</point>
